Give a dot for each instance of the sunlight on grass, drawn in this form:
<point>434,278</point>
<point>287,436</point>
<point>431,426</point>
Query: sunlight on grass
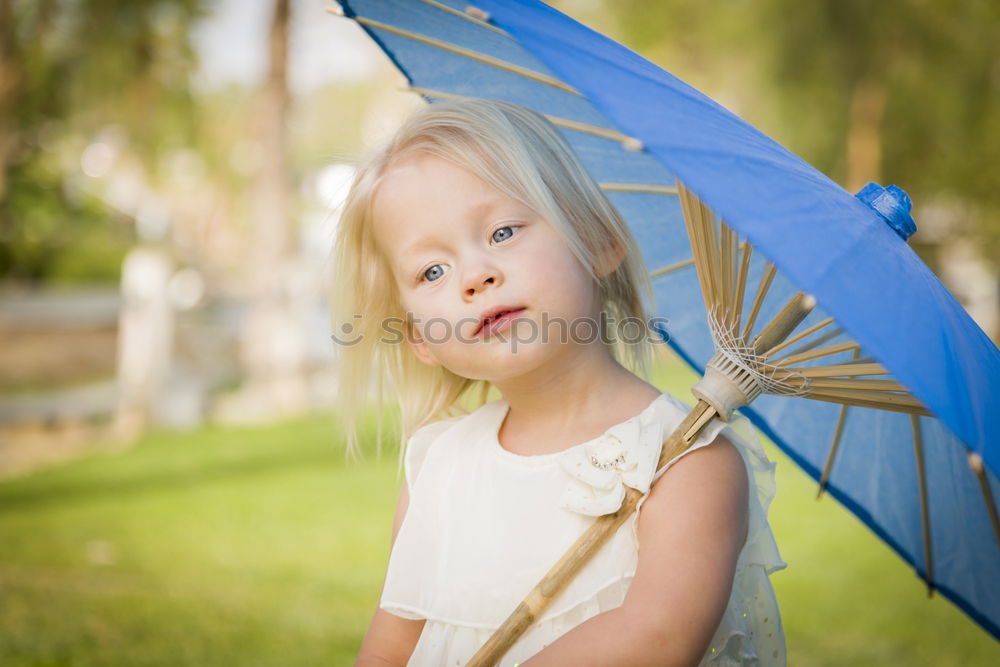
<point>265,547</point>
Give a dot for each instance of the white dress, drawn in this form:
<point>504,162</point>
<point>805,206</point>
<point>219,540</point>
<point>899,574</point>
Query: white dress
<point>484,524</point>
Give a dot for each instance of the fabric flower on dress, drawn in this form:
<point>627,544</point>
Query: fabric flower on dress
<point>626,455</point>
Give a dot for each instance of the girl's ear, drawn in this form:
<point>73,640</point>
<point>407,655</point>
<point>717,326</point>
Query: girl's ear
<point>610,259</point>
<point>419,347</point>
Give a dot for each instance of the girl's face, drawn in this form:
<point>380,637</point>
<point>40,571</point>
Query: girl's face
<point>459,250</point>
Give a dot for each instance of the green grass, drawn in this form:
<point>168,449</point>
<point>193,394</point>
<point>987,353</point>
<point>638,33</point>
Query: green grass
<point>265,547</point>
<point>224,547</point>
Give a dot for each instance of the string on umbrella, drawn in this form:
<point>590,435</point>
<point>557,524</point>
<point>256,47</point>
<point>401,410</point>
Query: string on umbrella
<point>769,378</point>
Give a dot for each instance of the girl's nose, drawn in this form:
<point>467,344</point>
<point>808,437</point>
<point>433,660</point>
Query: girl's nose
<point>478,279</point>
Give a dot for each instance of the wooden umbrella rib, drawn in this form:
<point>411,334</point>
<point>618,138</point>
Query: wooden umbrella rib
<point>845,383</point>
<point>628,142</point>
<point>840,370</point>
<point>875,395</point>
<point>670,268</point>
<point>697,246</point>
<point>649,188</point>
<point>741,283</point>
<point>699,218</point>
<point>918,450</point>
<point>816,342</point>
<point>979,470</point>
<point>704,252</point>
<point>862,360</point>
<point>431,92</point>
<point>684,263</point>
<point>811,330</point>
<point>817,353</point>
<point>470,54</point>
<point>834,446</point>
<point>870,404</point>
<point>468,17</point>
<point>727,269</point>
<point>711,238</point>
<point>762,287</point>
<point>871,399</point>
<point>578,126</point>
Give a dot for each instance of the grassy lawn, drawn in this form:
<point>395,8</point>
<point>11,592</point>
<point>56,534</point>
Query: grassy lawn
<point>265,547</point>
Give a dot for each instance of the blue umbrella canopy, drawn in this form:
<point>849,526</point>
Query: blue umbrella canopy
<point>917,460</point>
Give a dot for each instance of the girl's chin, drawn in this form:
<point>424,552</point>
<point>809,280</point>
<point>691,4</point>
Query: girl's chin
<point>501,362</point>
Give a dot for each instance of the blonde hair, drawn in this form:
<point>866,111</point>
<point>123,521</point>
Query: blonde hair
<point>521,154</point>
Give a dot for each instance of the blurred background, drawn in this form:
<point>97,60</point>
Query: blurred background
<point>173,489</point>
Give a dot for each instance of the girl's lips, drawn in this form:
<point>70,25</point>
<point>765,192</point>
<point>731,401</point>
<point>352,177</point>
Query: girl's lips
<point>500,323</point>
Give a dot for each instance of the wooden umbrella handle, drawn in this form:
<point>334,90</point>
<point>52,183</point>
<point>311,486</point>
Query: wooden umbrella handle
<point>588,544</point>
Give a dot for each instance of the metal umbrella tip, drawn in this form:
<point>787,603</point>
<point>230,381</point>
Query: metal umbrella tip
<point>808,302</point>
<point>633,144</point>
<point>477,13</point>
<point>335,9</point>
<point>976,462</point>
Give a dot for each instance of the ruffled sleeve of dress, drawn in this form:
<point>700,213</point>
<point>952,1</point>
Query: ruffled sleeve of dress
<point>417,445</point>
<point>751,632</point>
<point>406,591</point>
<point>626,455</point>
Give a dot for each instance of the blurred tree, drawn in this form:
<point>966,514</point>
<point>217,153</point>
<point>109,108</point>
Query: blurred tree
<point>898,91</point>
<point>70,69</point>
<point>273,340</point>
<point>909,93</point>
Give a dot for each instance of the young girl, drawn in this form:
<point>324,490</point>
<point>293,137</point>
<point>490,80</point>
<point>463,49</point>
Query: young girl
<point>475,252</point>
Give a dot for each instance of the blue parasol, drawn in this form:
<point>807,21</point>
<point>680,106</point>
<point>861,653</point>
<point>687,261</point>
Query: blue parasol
<point>896,408</point>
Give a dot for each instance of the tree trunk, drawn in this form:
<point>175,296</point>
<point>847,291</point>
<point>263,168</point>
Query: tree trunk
<point>273,339</point>
<point>864,140</point>
<point>9,81</point>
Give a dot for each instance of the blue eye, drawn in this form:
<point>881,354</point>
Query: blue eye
<point>436,271</point>
<point>509,230</point>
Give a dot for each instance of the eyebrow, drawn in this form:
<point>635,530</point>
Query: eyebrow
<point>416,246</point>
<point>474,211</point>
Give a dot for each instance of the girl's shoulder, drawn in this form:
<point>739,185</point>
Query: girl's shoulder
<point>422,439</point>
<point>420,442</point>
